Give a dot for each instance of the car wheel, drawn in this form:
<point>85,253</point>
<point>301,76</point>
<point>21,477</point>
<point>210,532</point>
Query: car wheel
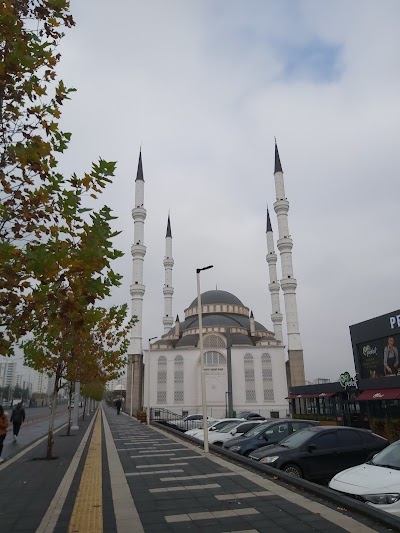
<point>247,453</point>
<point>217,443</point>
<point>293,470</point>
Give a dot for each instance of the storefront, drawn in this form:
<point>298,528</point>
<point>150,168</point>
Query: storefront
<point>373,393</point>
<point>335,402</point>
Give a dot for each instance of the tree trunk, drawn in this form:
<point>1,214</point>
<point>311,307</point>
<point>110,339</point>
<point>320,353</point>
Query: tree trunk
<point>50,440</point>
<point>69,410</point>
<point>84,410</point>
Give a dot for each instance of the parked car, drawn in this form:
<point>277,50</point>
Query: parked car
<point>213,426</point>
<point>376,483</point>
<point>320,452</point>
<point>191,421</point>
<point>227,432</point>
<point>270,432</point>
<point>248,415</point>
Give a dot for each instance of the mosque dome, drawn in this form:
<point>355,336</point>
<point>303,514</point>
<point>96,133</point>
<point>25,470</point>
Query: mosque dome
<point>222,311</point>
<point>217,297</point>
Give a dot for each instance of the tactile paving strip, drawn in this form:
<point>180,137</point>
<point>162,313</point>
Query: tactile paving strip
<point>87,516</point>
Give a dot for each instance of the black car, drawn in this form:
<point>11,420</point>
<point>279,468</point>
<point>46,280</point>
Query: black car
<point>321,452</point>
<point>248,415</point>
<point>269,432</point>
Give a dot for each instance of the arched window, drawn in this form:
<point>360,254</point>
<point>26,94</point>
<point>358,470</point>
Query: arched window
<point>249,378</point>
<point>162,379</point>
<point>214,359</point>
<point>267,377</point>
<point>214,341</point>
<point>178,379</point>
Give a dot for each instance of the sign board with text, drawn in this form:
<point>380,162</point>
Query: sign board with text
<point>376,348</point>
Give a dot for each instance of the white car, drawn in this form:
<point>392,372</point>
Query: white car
<point>192,421</point>
<point>237,428</point>
<point>376,483</point>
<point>213,426</point>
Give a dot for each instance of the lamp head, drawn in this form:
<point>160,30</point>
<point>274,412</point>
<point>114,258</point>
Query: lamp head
<point>204,268</point>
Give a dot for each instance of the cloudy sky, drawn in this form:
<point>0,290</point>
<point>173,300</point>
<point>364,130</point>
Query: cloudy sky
<point>204,86</point>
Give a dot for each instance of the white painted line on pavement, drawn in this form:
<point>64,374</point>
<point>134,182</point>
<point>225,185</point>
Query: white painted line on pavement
<point>201,476</point>
<point>161,464</point>
<point>153,472</point>
<point>151,455</point>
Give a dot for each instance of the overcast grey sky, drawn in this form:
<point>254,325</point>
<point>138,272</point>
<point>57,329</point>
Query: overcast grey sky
<point>204,86</point>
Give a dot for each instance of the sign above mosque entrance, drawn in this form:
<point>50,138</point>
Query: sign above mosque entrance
<point>214,370</point>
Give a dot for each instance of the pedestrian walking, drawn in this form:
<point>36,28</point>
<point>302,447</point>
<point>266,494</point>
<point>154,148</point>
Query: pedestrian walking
<point>3,430</point>
<point>17,417</point>
<point>118,405</point>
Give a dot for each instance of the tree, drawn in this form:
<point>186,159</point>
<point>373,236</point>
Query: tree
<point>94,390</point>
<point>55,252</point>
<point>17,392</point>
<point>29,139</point>
<point>71,337</point>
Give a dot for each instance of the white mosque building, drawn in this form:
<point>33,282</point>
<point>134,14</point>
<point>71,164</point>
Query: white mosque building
<point>244,362</point>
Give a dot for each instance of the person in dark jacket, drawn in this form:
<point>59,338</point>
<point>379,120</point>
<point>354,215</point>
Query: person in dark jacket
<point>118,405</point>
<point>17,417</point>
<point>3,429</point>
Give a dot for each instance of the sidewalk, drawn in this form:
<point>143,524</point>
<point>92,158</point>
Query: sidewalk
<point>117,475</point>
<point>31,431</point>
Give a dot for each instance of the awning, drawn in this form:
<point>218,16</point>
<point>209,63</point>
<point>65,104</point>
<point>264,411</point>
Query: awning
<point>377,394</point>
<point>319,395</point>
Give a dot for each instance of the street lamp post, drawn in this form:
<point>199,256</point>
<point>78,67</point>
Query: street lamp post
<point>203,377</point>
<point>148,381</point>
<point>229,368</point>
<point>131,407</point>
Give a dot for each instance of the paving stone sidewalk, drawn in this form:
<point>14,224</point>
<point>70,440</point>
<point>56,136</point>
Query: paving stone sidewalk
<point>153,481</point>
<point>176,488</point>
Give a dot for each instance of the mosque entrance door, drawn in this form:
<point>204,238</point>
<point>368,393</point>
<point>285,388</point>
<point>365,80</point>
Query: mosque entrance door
<point>216,378</point>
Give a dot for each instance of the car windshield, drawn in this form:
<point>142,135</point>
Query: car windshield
<point>256,430</point>
<point>297,439</point>
<point>217,426</point>
<point>389,457</point>
<point>229,427</point>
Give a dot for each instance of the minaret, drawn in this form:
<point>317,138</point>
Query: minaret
<point>274,286</point>
<point>288,282</point>
<point>137,290</point>
<point>168,289</point>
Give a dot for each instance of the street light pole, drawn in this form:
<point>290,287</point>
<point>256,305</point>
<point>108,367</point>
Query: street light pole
<point>131,406</point>
<point>229,368</point>
<point>148,381</point>
<point>203,377</point>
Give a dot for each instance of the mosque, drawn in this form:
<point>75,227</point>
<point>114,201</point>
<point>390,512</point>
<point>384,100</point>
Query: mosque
<point>244,362</point>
